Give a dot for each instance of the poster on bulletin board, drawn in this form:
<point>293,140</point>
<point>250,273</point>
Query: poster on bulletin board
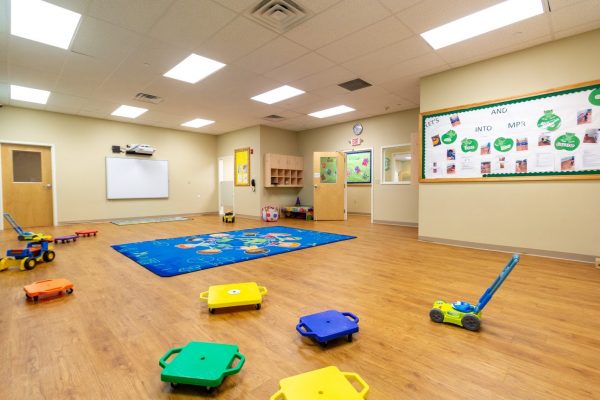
<point>242,167</point>
<point>358,167</point>
<point>553,135</point>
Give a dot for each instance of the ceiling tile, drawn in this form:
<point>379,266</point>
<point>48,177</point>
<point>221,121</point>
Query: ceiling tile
<point>331,76</point>
<point>329,91</point>
<point>4,16</point>
<point>78,6</point>
<point>237,39</point>
<point>556,5</point>
<point>374,37</point>
<point>64,103</point>
<point>407,87</point>
<point>318,6</point>
<point>298,102</point>
<point>336,22</point>
<point>136,15</point>
<point>429,14</point>
<point>308,64</point>
<point>576,30</point>
<point>189,23</point>
<point>81,75</point>
<point>272,55</point>
<point>238,5</point>
<point>390,55</point>
<point>31,77</point>
<point>398,5</point>
<point>581,13</point>
<point>424,65</point>
<point>116,42</point>
<point>29,53</point>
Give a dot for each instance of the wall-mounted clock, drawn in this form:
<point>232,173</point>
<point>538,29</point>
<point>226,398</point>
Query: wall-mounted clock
<point>357,128</point>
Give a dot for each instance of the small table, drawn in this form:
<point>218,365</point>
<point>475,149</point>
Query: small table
<point>233,295</point>
<point>201,364</point>
<point>328,325</point>
<point>305,212</point>
<point>322,384</point>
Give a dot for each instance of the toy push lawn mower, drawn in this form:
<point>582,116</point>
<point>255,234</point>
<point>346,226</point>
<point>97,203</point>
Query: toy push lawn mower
<point>465,314</point>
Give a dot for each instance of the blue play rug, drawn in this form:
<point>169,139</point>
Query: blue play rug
<point>170,257</point>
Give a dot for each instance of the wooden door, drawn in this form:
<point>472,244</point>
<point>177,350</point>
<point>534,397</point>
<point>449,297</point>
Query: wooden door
<point>27,184</point>
<point>329,179</point>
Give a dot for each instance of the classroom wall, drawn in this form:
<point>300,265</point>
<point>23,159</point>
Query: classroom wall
<point>550,217</point>
<point>391,203</point>
<point>81,145</point>
<point>246,202</point>
<point>278,141</point>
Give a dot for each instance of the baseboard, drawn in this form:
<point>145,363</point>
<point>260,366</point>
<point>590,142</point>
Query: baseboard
<point>359,213</point>
<point>103,221</point>
<point>509,249</point>
<point>254,217</point>
<point>399,223</point>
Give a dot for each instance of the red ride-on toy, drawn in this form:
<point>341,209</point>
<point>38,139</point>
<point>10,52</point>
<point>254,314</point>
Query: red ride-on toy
<point>28,257</point>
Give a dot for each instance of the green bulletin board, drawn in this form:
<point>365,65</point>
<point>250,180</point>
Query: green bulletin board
<point>328,170</point>
<point>358,167</point>
<point>550,135</point>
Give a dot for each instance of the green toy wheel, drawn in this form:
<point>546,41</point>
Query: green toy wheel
<point>49,256</point>
<point>436,315</point>
<point>29,263</point>
<point>470,322</point>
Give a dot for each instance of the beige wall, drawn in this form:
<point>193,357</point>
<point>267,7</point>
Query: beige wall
<point>551,216</point>
<point>81,145</point>
<point>359,199</point>
<point>391,203</point>
<point>245,201</point>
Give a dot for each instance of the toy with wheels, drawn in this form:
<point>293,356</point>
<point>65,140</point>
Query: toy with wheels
<point>28,257</point>
<point>65,238</point>
<point>233,295</point>
<point>322,384</point>
<point>21,234</point>
<point>87,232</point>
<point>270,213</point>
<point>328,325</point>
<point>47,287</point>
<point>229,217</point>
<point>201,364</point>
<point>465,314</point>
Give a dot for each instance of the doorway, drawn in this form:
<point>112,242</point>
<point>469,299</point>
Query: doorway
<point>329,186</point>
<point>27,184</point>
<point>360,181</point>
<point>225,184</point>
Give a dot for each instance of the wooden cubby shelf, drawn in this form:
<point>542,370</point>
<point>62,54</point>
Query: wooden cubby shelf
<point>283,170</point>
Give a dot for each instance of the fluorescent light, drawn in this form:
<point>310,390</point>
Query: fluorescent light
<point>279,94</point>
<point>129,112</point>
<point>198,123</point>
<point>331,112</point>
<point>194,68</point>
<point>28,94</point>
<point>43,22</point>
<point>489,19</point>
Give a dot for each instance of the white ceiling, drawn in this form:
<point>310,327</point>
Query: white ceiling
<point>123,47</point>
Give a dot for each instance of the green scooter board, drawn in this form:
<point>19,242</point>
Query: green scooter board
<point>201,364</point>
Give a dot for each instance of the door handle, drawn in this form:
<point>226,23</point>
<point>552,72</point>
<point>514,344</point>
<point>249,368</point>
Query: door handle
<point>316,186</point>
<point>48,186</point>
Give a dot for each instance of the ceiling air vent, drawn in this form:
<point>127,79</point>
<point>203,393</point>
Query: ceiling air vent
<point>274,118</point>
<point>148,98</point>
<point>279,15</point>
<point>354,84</point>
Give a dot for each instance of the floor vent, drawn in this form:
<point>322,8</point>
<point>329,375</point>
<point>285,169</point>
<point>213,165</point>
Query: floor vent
<point>355,84</point>
<point>274,118</point>
<point>148,98</point>
<point>279,15</point>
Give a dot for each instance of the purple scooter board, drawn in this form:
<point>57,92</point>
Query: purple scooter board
<point>328,325</point>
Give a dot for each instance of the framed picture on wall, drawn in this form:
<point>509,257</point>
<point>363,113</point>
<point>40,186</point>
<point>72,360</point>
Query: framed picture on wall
<point>241,166</point>
<point>359,167</point>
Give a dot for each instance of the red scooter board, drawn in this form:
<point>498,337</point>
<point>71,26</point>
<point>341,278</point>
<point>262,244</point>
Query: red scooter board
<point>47,287</point>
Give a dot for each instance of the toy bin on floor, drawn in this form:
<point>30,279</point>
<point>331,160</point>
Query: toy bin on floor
<point>201,364</point>
<point>328,325</point>
<point>270,213</point>
<point>233,295</point>
<point>322,384</point>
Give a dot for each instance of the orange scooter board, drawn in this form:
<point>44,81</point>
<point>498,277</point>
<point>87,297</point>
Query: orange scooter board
<point>46,287</point>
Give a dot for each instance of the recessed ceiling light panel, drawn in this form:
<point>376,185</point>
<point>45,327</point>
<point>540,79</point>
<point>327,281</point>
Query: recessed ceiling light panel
<point>330,112</point>
<point>194,68</point>
<point>43,22</point>
<point>198,123</point>
<point>129,112</point>
<point>279,94</point>
<point>28,94</point>
<point>492,18</point>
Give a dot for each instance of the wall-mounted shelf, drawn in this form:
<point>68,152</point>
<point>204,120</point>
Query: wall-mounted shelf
<point>283,170</point>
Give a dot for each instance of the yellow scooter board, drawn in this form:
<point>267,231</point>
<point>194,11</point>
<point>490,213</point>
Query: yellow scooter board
<point>322,384</point>
<point>233,295</point>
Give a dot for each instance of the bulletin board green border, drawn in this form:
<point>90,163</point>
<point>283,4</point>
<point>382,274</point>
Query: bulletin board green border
<point>566,175</point>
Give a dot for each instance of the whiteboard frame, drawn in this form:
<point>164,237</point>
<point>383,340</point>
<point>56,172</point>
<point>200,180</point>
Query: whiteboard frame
<point>140,197</point>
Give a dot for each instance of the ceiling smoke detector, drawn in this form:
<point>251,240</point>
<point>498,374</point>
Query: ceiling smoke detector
<point>148,98</point>
<point>279,15</point>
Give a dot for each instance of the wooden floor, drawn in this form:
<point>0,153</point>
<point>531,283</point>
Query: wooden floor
<point>540,336</point>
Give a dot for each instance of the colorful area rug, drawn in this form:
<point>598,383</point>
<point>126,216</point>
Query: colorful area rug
<point>170,257</point>
<point>136,221</point>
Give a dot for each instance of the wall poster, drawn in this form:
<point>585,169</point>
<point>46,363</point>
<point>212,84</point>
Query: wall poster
<point>358,167</point>
<point>241,167</point>
<point>554,135</point>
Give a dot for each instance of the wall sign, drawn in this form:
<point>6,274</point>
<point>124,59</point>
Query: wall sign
<point>553,135</point>
<point>242,167</point>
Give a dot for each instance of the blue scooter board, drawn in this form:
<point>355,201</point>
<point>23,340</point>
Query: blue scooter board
<point>328,325</point>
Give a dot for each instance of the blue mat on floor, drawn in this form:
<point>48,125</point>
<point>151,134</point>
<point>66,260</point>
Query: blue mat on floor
<point>170,257</point>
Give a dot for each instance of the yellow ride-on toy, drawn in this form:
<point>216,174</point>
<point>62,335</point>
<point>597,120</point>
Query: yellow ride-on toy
<point>229,217</point>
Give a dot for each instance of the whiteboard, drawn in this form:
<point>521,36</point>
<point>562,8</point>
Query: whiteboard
<point>135,178</point>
